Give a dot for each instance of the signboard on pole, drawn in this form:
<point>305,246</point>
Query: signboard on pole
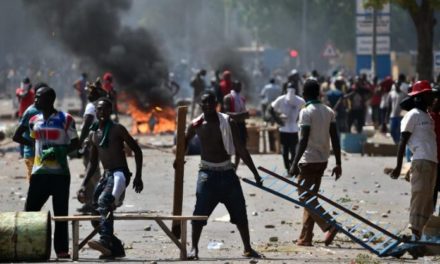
<point>364,45</point>
<point>364,39</point>
<point>364,25</point>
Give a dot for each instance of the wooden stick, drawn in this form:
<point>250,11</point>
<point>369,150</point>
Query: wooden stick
<point>131,217</point>
<point>75,239</point>
<point>179,167</point>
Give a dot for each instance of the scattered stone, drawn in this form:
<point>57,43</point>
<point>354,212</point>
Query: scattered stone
<point>355,207</point>
<point>273,239</point>
<point>252,194</point>
<point>389,212</point>
<point>253,261</point>
<point>269,210</point>
<point>366,191</point>
<point>375,191</point>
<point>269,226</point>
<point>355,182</point>
<point>254,213</point>
<point>384,215</point>
<point>283,222</point>
<point>296,206</point>
<point>232,231</point>
<point>377,185</point>
<point>148,228</point>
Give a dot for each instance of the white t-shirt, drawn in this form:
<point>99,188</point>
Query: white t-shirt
<point>422,141</point>
<point>318,117</point>
<point>290,109</point>
<point>394,98</point>
<point>90,110</point>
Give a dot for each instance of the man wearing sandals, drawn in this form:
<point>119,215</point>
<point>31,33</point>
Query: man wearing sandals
<point>317,126</point>
<point>217,181</point>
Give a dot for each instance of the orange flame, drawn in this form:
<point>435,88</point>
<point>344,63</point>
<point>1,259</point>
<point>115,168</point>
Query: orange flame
<point>152,120</point>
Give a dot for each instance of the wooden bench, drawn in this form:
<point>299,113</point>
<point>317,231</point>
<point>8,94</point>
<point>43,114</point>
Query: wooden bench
<point>158,218</point>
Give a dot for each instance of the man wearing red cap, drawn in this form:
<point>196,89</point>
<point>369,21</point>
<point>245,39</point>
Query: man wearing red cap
<point>111,92</point>
<point>417,130</point>
<point>225,86</point>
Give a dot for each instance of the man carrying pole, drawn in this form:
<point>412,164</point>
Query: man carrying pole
<point>217,181</point>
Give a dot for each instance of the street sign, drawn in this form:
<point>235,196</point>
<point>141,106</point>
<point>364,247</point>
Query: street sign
<point>329,51</point>
<point>361,10</point>
<point>364,24</point>
<point>364,45</point>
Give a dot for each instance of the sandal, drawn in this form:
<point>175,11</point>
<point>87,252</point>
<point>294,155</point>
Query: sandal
<point>63,255</point>
<point>253,254</point>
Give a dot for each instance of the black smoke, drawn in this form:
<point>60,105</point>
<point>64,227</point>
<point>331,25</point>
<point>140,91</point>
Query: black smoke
<point>92,31</point>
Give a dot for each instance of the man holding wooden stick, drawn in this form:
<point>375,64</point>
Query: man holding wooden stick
<point>217,181</point>
<point>107,143</point>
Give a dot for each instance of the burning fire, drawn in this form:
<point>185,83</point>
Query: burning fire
<point>152,120</point>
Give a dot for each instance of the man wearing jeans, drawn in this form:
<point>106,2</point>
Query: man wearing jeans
<point>55,135</point>
<point>317,126</point>
<point>107,141</point>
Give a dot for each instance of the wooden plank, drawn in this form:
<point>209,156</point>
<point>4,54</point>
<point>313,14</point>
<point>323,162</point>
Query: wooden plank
<point>169,233</point>
<point>131,217</point>
<point>183,253</point>
<point>75,240</point>
<point>179,167</point>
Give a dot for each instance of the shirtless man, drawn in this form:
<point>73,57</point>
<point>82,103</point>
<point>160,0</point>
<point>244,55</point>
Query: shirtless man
<point>107,143</point>
<point>217,181</point>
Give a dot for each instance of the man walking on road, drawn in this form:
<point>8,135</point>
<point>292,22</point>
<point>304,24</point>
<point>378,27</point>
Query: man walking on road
<point>417,130</point>
<point>317,126</point>
<point>107,144</point>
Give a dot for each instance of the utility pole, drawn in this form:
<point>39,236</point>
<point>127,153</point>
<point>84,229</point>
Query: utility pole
<point>374,51</point>
<point>304,61</point>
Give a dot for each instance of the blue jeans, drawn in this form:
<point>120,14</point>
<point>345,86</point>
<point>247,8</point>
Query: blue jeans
<point>214,187</point>
<point>395,128</point>
<point>105,202</point>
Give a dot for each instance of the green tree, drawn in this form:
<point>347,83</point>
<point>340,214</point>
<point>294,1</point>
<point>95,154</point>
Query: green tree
<point>422,15</point>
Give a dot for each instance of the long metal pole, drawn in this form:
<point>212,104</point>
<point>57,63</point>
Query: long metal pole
<point>374,51</point>
<point>304,36</point>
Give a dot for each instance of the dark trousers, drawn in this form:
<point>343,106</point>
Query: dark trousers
<point>375,114</point>
<point>312,174</point>
<point>214,187</point>
<point>288,142</point>
<point>41,186</point>
<point>358,116</point>
<point>437,187</point>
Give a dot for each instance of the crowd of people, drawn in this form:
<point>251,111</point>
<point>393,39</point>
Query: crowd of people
<point>310,112</point>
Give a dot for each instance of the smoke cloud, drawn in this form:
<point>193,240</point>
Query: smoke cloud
<point>92,31</point>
